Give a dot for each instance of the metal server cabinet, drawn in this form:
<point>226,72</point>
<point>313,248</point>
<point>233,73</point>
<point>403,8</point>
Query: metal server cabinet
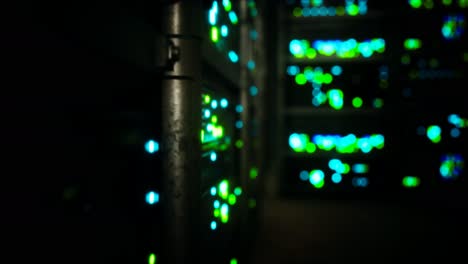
<point>433,61</point>
<point>150,139</point>
<point>335,87</point>
<point>204,202</point>
<point>361,104</point>
<point>231,86</point>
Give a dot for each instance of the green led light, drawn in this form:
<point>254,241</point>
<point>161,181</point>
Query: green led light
<point>410,182</point>
<point>233,261</point>
<point>434,133</point>
<point>433,63</point>
<point>405,59</point>
<point>232,199</point>
<point>227,5</point>
<point>429,4</point>
<point>463,3</point>
<point>311,53</point>
<point>317,178</point>
<point>214,119</point>
<point>349,48</point>
<point>238,191</point>
<point>152,258</point>
<point>352,9</point>
<point>346,168</point>
<point>233,17</point>
<point>206,99</point>
<point>378,103</point>
<point>253,173</point>
<point>216,213</point>
<point>239,143</point>
<point>340,10</point>
<point>357,102</point>
<point>412,44</point>
<point>415,3</point>
<point>447,2</point>
<point>327,78</point>
<point>451,166</point>
<point>319,185</point>
<point>342,144</point>
<point>301,79</point>
<point>310,147</point>
<point>360,168</point>
<point>383,84</point>
<point>224,213</point>
<point>224,189</point>
<point>297,12</point>
<point>335,98</point>
<point>214,34</point>
<point>252,203</point>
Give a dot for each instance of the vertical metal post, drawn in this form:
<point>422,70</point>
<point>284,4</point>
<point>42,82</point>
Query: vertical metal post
<point>244,98</point>
<point>181,116</point>
<point>245,53</point>
<point>273,183</point>
<point>262,147</point>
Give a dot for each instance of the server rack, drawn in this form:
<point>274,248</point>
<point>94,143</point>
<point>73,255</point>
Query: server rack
<point>184,169</point>
<point>347,94</point>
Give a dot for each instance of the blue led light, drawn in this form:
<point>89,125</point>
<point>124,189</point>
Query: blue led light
<point>334,164</point>
<point>292,70</point>
<point>316,101</point>
<point>253,34</point>
<point>455,120</point>
<point>224,103</point>
<point>304,175</point>
<point>213,156</point>
<point>207,113</point>
<point>213,191</point>
<point>316,177</point>
<point>297,141</point>
<point>455,132</point>
<point>233,17</point>
<point>251,65</point>
<point>152,197</point>
<point>253,90</point>
<point>336,178</point>
<point>451,166</point>
<point>295,47</point>
<point>213,225</point>
<point>239,108</point>
<point>314,11</point>
<point>359,168</point>
<point>360,182</point>
<point>214,104</point>
<point>316,85</point>
<point>224,31</point>
<point>421,130</point>
<point>152,146</point>
<point>212,17</point>
<point>233,56</point>
<point>239,124</point>
<point>336,70</point>
<point>322,11</point>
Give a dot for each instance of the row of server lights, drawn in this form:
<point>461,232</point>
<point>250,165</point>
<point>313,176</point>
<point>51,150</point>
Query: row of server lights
<point>326,81</point>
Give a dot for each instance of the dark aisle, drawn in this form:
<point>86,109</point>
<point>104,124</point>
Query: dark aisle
<point>332,232</point>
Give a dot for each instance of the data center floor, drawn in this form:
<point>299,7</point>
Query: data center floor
<point>305,231</point>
